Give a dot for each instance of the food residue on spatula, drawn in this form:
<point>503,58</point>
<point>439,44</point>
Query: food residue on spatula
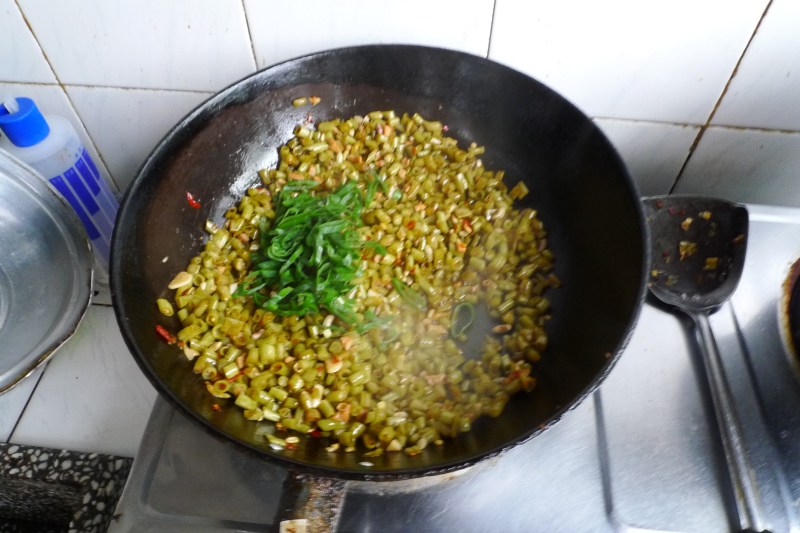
<point>687,249</point>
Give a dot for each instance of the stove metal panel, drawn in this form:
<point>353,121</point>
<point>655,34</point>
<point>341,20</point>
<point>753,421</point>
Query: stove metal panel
<point>642,454</point>
<point>663,453</point>
<point>775,375</point>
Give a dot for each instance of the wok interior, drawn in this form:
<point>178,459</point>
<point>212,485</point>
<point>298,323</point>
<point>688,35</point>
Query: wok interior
<point>577,182</point>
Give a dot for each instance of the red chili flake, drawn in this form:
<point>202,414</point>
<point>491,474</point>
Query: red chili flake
<point>216,407</point>
<point>291,446</point>
<point>192,202</point>
<point>467,225</point>
<point>659,204</point>
<point>315,433</point>
<point>168,337</point>
<point>445,128</point>
<point>411,224</point>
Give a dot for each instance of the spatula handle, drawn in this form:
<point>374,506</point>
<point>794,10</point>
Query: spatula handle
<point>745,488</point>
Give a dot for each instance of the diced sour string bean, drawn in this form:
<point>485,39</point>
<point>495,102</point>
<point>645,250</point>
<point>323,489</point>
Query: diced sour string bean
<point>332,299</point>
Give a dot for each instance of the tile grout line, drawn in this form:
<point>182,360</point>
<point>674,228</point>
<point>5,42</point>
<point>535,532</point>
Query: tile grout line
<point>704,127</point>
<point>250,35</point>
<point>491,29</point>
<point>116,87</point>
<point>695,125</point>
<point>66,94</point>
<point>41,49</point>
<point>27,402</point>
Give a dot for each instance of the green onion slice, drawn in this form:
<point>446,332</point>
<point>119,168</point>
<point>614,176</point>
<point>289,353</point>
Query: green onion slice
<point>310,253</point>
<point>462,319</point>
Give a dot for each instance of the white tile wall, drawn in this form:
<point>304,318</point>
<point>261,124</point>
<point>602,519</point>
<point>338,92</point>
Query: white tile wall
<point>761,167</point>
<point>23,58</point>
<point>284,30</point>
<point>765,92</point>
<point>93,366</point>
<point>654,153</point>
<point>127,123</point>
<point>180,44</point>
<point>662,61</point>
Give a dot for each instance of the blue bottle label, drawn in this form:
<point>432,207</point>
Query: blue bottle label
<point>61,186</point>
<point>88,178</point>
<point>89,195</point>
<point>79,187</point>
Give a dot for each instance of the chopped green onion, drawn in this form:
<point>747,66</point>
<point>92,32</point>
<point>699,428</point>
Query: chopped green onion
<point>310,255</point>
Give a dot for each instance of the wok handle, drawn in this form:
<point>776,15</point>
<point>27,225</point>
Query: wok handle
<point>745,489</point>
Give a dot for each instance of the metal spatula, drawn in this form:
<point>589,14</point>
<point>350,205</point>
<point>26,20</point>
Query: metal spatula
<point>698,250</point>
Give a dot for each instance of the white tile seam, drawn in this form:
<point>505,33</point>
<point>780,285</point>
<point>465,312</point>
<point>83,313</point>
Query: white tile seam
<point>120,87</point>
<point>692,125</point>
<point>250,35</point>
<point>710,117</point>
<point>35,38</point>
<point>27,402</point>
<point>737,65</point>
<point>755,130</point>
<point>645,121</point>
<point>491,29</point>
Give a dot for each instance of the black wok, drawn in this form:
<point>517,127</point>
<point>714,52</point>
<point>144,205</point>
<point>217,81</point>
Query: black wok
<point>578,184</point>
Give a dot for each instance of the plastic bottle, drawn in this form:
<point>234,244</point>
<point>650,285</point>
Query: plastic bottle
<point>52,147</point>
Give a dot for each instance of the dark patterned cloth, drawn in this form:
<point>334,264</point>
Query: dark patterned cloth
<point>46,490</point>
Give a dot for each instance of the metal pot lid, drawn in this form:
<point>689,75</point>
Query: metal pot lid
<point>45,271</point>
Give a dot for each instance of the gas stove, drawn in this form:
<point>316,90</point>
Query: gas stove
<point>643,453</point>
